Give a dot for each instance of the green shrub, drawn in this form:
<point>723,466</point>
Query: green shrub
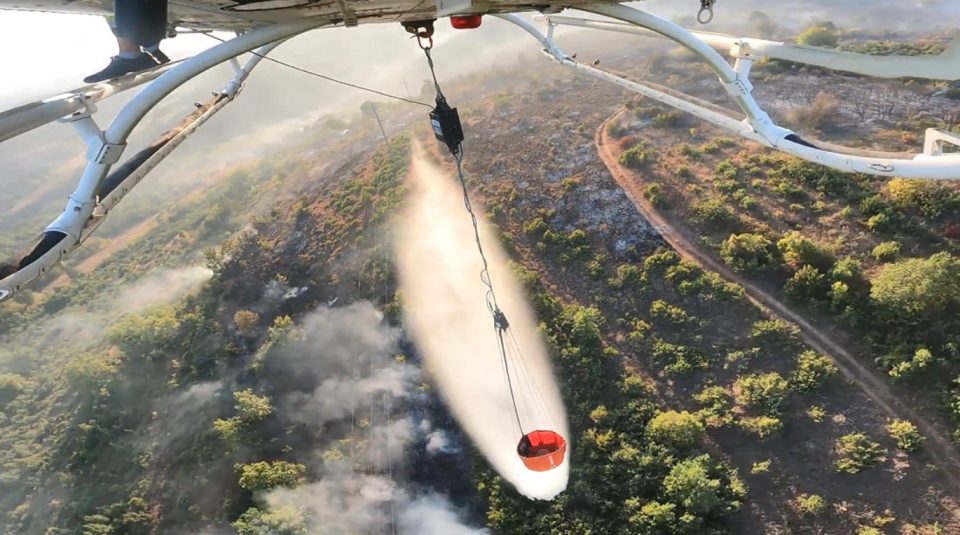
<point>821,36</point>
<point>855,452</point>
<point>713,212</point>
<point>812,370</point>
<point>689,151</point>
<point>807,286</point>
<point>678,429</point>
<point>799,251</point>
<point>762,426</point>
<point>906,434</point>
<point>886,251</point>
<point>748,253</point>
<point>810,504</point>
<point>638,156</point>
<point>765,391</point>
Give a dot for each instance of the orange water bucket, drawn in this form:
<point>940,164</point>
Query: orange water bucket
<point>542,450</point>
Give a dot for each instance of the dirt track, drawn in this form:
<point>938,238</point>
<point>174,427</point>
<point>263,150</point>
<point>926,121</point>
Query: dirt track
<point>938,446</point>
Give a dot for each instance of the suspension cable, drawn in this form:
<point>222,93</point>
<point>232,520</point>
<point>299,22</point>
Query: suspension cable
<point>500,323</point>
<point>329,78</point>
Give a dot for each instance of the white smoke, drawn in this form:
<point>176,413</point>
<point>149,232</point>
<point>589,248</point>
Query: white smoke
<point>444,305</point>
<point>346,358</point>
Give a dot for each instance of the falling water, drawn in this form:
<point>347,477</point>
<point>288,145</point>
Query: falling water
<point>445,309</point>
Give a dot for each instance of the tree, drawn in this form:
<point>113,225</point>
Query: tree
<point>689,484</point>
<point>798,251</point>
<point>652,517</point>
<point>922,358</point>
<point>775,334</point>
<point>268,475</point>
<point>679,429</point>
<point>284,520</point>
<point>749,253</point>
<point>764,391</point>
<point>919,287</point>
<point>251,407</point>
<point>145,336</point>
<point>819,35</point>
<point>812,370</point>
<point>11,385</point>
<point>855,452</point>
<point>807,286</point>
<point>906,434</point>
<point>246,320</point>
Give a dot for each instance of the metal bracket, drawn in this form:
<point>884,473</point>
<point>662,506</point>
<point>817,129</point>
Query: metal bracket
<point>934,140</point>
<point>89,108</point>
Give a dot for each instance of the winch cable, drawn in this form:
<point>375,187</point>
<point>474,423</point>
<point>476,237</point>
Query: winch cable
<point>455,144</point>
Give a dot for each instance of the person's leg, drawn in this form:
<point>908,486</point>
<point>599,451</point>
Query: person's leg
<point>136,23</point>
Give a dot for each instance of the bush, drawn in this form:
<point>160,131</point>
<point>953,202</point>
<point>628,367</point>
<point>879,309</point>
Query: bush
<point>246,320</point>
<point>928,197</point>
<point>761,467</point>
<point>810,504</point>
<point>880,223</point>
<point>637,156</point>
<point>270,475</point>
<point>886,251</point>
<point>807,286</point>
<point>689,151</point>
<point>713,212</point>
<point>812,370</point>
<point>798,251</point>
<point>762,426</point>
<point>855,452</point>
<point>922,358</point>
<point>821,36</point>
<point>748,253</point>
<point>906,434</point>
<point>717,403</point>
<point>765,391</point>
<point>919,287</point>
<point>775,334</point>
<point>678,429</point>
<point>820,115</point>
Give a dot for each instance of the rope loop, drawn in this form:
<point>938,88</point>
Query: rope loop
<point>705,15</point>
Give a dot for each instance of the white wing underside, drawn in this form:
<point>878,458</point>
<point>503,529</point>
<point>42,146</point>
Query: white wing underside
<point>246,14</point>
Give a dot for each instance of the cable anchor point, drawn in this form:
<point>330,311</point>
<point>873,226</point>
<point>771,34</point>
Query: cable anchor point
<point>705,15</point>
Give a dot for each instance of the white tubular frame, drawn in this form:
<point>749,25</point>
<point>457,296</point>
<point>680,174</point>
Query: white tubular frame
<point>32,115</point>
<point>757,125</point>
<point>944,66</point>
<point>85,211</point>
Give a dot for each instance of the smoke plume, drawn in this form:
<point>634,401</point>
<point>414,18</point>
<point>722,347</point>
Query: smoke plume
<point>444,306</point>
<point>341,373</point>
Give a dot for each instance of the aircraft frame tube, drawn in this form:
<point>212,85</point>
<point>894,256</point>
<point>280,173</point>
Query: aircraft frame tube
<point>944,66</point>
<point>229,92</point>
<point>924,166</point>
<point>76,222</point>
<point>27,117</point>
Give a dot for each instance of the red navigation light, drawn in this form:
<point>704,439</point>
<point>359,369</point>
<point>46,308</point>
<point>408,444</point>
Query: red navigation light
<point>466,22</point>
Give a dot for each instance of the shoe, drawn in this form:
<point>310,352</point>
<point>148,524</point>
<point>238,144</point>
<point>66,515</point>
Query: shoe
<point>159,57</point>
<point>120,66</point>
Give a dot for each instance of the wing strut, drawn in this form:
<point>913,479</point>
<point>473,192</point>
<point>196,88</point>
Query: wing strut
<point>98,190</point>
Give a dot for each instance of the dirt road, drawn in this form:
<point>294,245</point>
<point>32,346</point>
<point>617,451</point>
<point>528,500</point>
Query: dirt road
<point>938,446</point>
